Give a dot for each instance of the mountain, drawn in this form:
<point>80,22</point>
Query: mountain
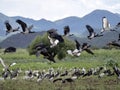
<point>77,24</point>
<point>23,40</point>
<point>19,40</point>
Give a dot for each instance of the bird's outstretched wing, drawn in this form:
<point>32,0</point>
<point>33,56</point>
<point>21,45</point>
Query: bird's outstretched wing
<point>77,44</point>
<point>89,51</point>
<point>90,29</point>
<point>2,62</point>
<point>23,24</point>
<point>8,26</point>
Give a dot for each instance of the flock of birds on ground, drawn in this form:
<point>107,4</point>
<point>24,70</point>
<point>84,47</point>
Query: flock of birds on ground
<point>62,75</point>
<point>55,39</point>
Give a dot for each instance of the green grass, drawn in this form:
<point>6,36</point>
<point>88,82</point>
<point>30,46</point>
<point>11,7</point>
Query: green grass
<point>25,61</point>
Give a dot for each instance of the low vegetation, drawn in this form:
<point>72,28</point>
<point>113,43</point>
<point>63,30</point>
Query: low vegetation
<point>25,61</point>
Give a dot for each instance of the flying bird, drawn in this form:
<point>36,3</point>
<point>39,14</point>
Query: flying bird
<point>85,47</point>
<point>67,31</point>
<point>44,50</point>
<point>92,34</point>
<point>54,37</point>
<point>79,49</point>
<point>113,43</point>
<point>106,25</point>
<point>9,28</point>
<point>76,51</point>
<point>24,26</point>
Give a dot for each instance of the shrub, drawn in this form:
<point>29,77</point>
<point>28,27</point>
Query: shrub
<point>60,49</point>
<point>111,63</point>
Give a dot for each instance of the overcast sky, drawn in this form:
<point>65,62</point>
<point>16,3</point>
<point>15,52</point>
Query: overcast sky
<point>55,9</point>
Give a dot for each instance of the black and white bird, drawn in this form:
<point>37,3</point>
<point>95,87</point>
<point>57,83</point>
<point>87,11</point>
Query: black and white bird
<point>85,47</point>
<point>79,49</point>
<point>45,51</point>
<point>24,26</point>
<point>67,31</point>
<point>92,34</point>
<point>106,25</point>
<point>54,37</point>
<point>76,51</point>
<point>117,71</point>
<point>9,28</point>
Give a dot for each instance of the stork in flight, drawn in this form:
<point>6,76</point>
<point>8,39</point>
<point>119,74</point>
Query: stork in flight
<point>9,28</point>
<point>92,33</point>
<point>54,37</point>
<point>24,26</point>
<point>67,31</point>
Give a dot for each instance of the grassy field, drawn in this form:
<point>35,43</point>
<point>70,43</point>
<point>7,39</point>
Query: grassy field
<point>24,61</point>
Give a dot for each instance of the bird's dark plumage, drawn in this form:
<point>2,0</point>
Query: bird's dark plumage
<point>114,43</point>
<point>117,71</point>
<point>58,79</point>
<point>66,30</point>
<point>119,37</point>
<point>70,80</point>
<point>54,37</point>
<point>10,49</point>
<point>85,47</point>
<point>92,34</point>
<point>24,26</point>
<point>9,28</point>
<point>44,50</point>
<point>77,44</point>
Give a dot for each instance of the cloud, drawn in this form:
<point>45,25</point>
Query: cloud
<point>55,9</point>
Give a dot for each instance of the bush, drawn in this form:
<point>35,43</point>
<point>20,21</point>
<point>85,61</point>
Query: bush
<point>60,49</point>
<point>111,63</point>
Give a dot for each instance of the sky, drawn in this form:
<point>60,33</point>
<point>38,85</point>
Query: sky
<point>55,9</point>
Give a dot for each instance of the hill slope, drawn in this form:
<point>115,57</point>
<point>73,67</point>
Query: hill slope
<point>19,40</point>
